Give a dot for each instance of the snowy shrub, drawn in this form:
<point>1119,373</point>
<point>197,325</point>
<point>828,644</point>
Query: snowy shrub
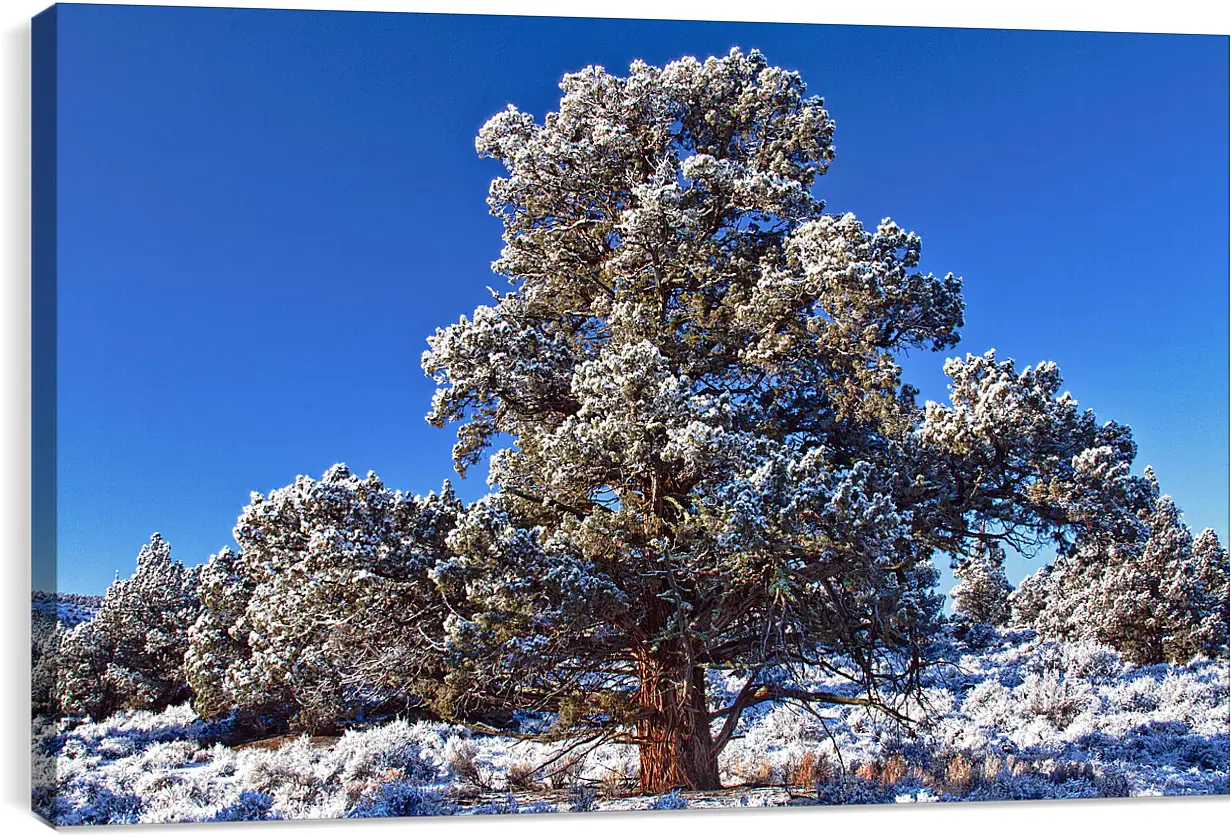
<point>394,747</point>
<point>460,755</point>
<point>671,800</point>
<point>1136,695</point>
<point>1111,782</point>
<point>982,636</point>
<point>1009,786</point>
<point>852,790</point>
<point>990,704</point>
<point>399,800</point>
<point>1091,661</point>
<point>581,798</point>
<point>250,806</point>
<point>1053,697</point>
<point>94,801</point>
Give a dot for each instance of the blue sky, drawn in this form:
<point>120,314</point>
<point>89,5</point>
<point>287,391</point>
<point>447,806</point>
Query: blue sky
<point>262,215</point>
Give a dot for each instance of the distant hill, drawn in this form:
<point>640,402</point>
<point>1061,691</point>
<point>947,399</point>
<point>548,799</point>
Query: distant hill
<point>67,609</point>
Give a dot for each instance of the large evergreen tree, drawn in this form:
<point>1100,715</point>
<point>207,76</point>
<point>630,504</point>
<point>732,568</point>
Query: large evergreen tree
<point>714,461</point>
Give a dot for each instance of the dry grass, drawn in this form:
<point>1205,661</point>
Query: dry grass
<point>960,774</point>
<point>564,772</point>
<point>461,761</point>
<point>870,771</point>
<point>755,774</point>
<point>894,770</point>
<point>811,769</point>
<point>522,777</point>
<point>612,783</point>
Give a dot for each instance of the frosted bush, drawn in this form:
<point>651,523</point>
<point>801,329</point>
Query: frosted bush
<point>990,704</point>
<point>395,747</point>
<point>671,800</point>
<point>852,790</point>
<point>399,800</point>
<point>581,798</point>
<point>1136,695</point>
<point>1053,697</point>
<point>250,806</point>
<point>1092,661</point>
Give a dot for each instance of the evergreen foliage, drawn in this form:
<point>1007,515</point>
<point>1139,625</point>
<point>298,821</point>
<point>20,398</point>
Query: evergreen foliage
<point>130,655</point>
<point>297,624</point>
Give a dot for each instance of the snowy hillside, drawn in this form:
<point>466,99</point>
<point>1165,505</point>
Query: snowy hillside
<point>67,609</point>
<point>1016,719</point>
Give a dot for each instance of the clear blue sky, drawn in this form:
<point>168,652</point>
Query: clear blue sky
<point>264,213</point>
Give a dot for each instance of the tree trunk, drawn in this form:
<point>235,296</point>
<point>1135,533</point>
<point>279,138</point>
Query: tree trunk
<point>676,748</point>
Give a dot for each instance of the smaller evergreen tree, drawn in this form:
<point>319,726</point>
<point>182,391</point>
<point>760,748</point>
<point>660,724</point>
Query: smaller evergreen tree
<point>218,651</point>
<point>981,594</point>
<point>1149,590</point>
<point>1210,595</point>
<point>1029,600</point>
<point>130,655</point>
<point>296,626</point>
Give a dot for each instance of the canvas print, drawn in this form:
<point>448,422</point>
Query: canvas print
<point>730,492</point>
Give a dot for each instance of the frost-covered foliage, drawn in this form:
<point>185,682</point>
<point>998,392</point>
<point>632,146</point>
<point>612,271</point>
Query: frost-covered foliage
<point>713,460</point>
<point>130,654</point>
<point>51,615</point>
<point>1017,719</point>
<point>981,594</point>
<point>1154,593</point>
<point>297,623</point>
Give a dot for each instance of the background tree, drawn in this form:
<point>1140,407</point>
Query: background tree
<point>714,460</point>
<point>1148,591</point>
<point>981,594</point>
<point>45,639</point>
<point>1029,600</point>
<point>326,570</point>
<point>1210,571</point>
<point>130,655</point>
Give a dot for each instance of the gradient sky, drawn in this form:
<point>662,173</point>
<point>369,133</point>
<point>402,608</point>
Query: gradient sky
<point>262,214</point>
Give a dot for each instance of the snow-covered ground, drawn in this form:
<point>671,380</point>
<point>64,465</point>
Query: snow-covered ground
<point>1017,719</point>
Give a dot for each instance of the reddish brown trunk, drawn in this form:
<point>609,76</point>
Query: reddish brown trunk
<point>676,748</point>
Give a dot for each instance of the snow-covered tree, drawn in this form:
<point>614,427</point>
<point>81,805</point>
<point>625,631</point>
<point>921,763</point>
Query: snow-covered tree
<point>218,654</point>
<point>981,594</point>
<point>1029,600</point>
<point>715,462</point>
<point>326,571</point>
<point>1146,591</point>
<point>46,637</point>
<point>1210,571</point>
<point>130,655</point>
